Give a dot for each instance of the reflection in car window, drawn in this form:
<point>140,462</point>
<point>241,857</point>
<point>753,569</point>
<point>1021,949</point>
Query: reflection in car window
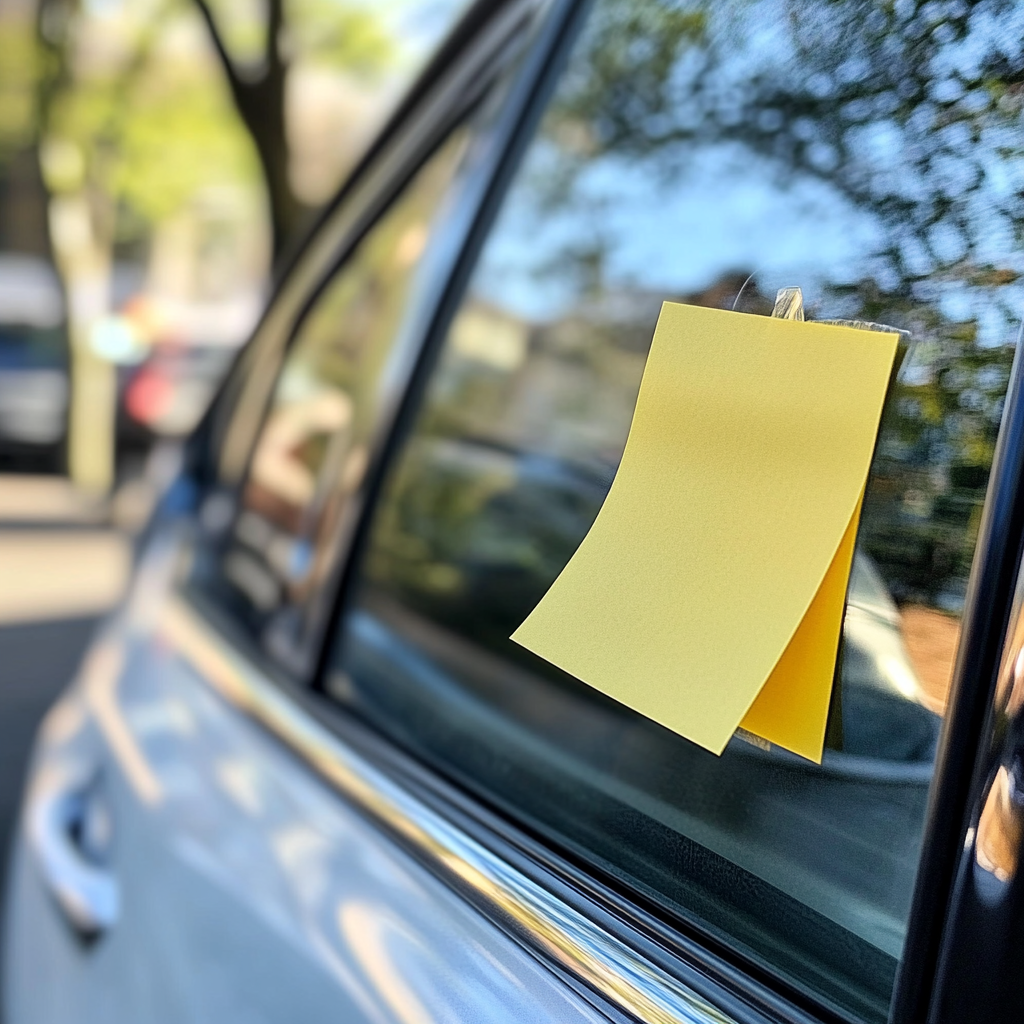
<point>710,154</point>
<point>312,450</point>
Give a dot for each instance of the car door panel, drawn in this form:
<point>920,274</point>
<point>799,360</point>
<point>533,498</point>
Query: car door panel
<point>249,891</point>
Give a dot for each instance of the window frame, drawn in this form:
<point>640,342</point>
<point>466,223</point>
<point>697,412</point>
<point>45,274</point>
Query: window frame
<point>457,77</point>
<point>465,75</point>
<point>297,661</point>
<point>677,950</point>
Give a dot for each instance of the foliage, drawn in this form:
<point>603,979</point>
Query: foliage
<point>327,33</point>
<point>145,114</point>
<point>20,71</point>
<point>144,131</point>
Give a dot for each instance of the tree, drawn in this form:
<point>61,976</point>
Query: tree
<point>351,38</point>
<point>22,196</point>
<point>260,101</point>
<point>256,59</point>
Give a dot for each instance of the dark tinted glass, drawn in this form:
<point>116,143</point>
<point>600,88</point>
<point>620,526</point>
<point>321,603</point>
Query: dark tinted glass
<point>711,154</point>
<point>312,450</point>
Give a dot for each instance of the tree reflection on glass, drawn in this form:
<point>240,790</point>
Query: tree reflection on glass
<point>869,153</point>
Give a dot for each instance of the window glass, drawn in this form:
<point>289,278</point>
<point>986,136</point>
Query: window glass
<point>312,450</point>
<point>711,154</point>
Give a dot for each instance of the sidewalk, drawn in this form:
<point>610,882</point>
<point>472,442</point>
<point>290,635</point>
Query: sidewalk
<point>59,556</point>
<point>37,500</point>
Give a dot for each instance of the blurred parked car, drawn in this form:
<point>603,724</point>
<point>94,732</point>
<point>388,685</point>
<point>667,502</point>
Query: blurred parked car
<point>166,394</point>
<point>304,775</point>
<point>33,366</point>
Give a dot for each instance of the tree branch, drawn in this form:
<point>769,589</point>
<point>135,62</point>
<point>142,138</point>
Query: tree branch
<point>236,83</point>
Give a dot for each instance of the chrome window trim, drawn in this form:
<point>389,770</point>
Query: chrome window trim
<point>558,934</point>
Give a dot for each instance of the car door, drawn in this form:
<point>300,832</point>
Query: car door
<point>337,787</point>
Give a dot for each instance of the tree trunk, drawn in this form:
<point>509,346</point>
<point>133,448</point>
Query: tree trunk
<point>260,102</point>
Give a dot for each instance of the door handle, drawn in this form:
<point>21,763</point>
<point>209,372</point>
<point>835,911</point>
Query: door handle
<point>70,834</point>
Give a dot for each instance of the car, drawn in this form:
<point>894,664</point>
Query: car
<point>304,774</point>
<point>164,397</point>
<point>33,366</point>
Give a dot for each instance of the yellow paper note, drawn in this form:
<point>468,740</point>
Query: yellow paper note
<point>709,592</point>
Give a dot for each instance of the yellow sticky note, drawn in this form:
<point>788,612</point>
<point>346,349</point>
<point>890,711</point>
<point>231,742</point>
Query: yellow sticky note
<point>709,592</point>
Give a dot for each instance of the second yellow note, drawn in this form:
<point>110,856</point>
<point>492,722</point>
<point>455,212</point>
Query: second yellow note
<point>709,592</point>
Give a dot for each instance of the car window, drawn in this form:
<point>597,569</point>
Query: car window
<point>712,154</point>
<point>311,453</point>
